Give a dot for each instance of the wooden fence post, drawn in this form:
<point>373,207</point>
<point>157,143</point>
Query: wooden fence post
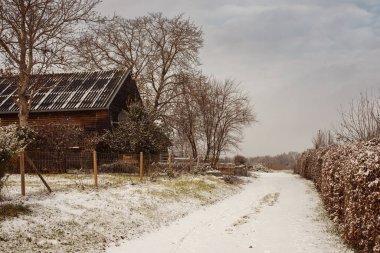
<point>95,161</point>
<point>190,163</point>
<point>170,160</point>
<point>22,172</point>
<point>141,166</point>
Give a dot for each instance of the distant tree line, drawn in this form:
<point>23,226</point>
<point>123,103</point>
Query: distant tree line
<point>285,161</point>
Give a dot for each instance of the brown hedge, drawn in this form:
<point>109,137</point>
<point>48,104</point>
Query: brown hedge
<point>348,178</point>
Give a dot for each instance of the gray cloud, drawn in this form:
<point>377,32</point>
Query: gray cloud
<point>299,60</point>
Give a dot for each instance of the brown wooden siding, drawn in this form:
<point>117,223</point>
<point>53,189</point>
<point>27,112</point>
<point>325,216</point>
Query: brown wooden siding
<point>90,120</point>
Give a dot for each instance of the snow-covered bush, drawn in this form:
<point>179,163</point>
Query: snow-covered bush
<point>12,139</point>
<point>137,132</point>
<point>348,177</point>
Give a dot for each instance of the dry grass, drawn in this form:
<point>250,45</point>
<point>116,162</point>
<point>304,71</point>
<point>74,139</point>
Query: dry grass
<point>189,187</point>
<point>12,210</point>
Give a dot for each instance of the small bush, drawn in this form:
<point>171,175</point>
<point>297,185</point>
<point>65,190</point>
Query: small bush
<point>239,160</point>
<point>12,139</point>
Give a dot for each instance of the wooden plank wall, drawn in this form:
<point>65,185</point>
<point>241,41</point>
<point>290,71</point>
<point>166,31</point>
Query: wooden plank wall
<point>90,120</point>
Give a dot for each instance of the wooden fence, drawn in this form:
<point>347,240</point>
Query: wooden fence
<point>94,169</point>
<point>93,163</point>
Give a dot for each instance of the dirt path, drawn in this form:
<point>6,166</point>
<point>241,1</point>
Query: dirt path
<point>278,212</point>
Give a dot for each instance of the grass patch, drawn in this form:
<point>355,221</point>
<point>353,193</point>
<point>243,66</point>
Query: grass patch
<point>186,187</point>
<point>12,210</point>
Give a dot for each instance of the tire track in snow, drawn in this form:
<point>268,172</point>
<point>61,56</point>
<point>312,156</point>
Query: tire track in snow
<point>266,201</point>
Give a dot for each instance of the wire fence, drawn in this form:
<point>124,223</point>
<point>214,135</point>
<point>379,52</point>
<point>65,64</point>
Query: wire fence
<point>64,169</point>
<point>60,170</point>
<point>56,162</point>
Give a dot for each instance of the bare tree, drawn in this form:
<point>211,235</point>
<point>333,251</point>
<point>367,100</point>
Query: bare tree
<point>223,113</point>
<point>232,112</point>
<point>33,36</point>
<point>360,122</point>
<point>186,116</point>
<point>203,95</point>
<point>116,43</point>
<point>323,139</point>
<point>158,49</point>
<point>211,113</point>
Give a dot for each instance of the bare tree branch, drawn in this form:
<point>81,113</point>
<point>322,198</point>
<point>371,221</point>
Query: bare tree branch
<point>33,37</point>
<point>360,122</point>
<point>156,48</point>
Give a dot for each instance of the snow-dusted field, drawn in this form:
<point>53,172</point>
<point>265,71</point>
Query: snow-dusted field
<point>75,220</point>
<point>277,213</point>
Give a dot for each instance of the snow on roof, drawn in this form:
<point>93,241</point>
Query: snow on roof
<point>65,91</point>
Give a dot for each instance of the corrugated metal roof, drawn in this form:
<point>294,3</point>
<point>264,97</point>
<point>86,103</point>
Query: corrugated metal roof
<point>65,91</point>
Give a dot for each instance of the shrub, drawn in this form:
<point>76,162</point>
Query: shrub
<point>239,160</point>
<point>137,132</point>
<point>12,139</point>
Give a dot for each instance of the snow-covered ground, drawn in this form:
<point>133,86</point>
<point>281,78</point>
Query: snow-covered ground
<point>75,220</point>
<point>277,213</point>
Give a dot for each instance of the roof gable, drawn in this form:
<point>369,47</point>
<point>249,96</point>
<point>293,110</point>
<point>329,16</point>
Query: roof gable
<point>66,91</point>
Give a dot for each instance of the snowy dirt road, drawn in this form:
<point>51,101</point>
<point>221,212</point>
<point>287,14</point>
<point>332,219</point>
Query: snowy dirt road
<point>278,212</point>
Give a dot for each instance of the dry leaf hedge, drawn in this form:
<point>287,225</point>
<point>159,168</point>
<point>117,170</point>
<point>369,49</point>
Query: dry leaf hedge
<point>348,178</point>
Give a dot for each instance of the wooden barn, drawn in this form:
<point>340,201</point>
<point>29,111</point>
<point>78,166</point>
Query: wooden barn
<point>92,100</point>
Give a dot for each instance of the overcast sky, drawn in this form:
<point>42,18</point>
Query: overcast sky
<point>298,60</point>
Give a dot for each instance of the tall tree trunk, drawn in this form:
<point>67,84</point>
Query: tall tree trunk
<point>208,150</point>
<point>23,84</point>
<point>23,103</point>
<point>193,147</point>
